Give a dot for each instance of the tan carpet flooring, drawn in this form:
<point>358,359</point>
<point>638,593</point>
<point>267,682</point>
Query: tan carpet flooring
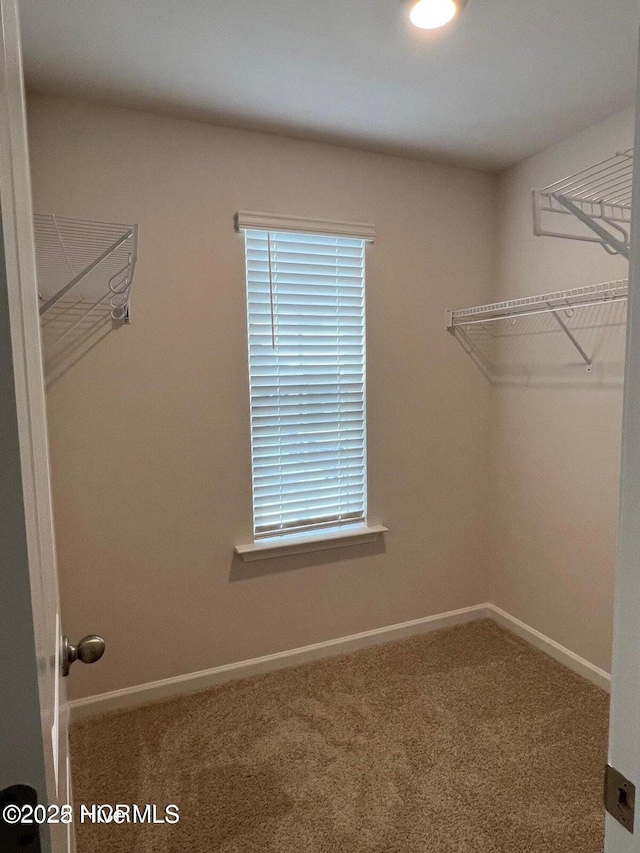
<point>462,740</point>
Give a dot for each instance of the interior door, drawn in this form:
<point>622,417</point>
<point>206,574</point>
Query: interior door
<point>624,730</point>
<point>33,718</point>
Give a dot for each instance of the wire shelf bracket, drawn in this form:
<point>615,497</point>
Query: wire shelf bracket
<point>599,198</point>
<point>554,304</point>
<point>84,270</point>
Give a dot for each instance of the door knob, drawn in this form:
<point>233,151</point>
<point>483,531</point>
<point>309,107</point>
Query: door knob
<point>89,650</point>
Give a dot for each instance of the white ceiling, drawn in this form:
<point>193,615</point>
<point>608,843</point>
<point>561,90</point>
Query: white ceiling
<point>508,78</point>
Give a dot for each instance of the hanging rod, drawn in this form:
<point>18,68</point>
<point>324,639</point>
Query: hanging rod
<point>599,197</point>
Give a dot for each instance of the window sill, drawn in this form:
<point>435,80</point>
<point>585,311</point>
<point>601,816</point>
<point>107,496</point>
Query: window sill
<point>266,549</point>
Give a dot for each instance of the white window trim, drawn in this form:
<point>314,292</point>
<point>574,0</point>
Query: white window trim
<point>249,220</point>
<point>306,543</point>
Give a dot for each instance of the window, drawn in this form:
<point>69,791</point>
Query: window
<point>306,330</point>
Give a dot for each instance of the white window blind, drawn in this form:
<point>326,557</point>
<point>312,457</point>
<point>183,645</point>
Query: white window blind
<point>306,323</point>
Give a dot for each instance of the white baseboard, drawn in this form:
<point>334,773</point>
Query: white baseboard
<point>193,682</point>
<point>153,691</point>
<point>571,660</point>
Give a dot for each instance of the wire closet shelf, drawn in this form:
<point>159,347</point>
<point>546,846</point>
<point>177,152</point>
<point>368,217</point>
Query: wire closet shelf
<point>560,305</point>
<point>561,300</point>
<point>597,199</point>
<point>85,272</point>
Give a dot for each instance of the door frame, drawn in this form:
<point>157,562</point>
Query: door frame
<point>624,725</point>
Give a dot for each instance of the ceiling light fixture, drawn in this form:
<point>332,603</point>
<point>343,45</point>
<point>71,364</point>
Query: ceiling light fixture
<point>431,14</point>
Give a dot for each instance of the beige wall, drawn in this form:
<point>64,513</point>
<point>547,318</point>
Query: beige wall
<point>149,429</point>
<point>556,435</point>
